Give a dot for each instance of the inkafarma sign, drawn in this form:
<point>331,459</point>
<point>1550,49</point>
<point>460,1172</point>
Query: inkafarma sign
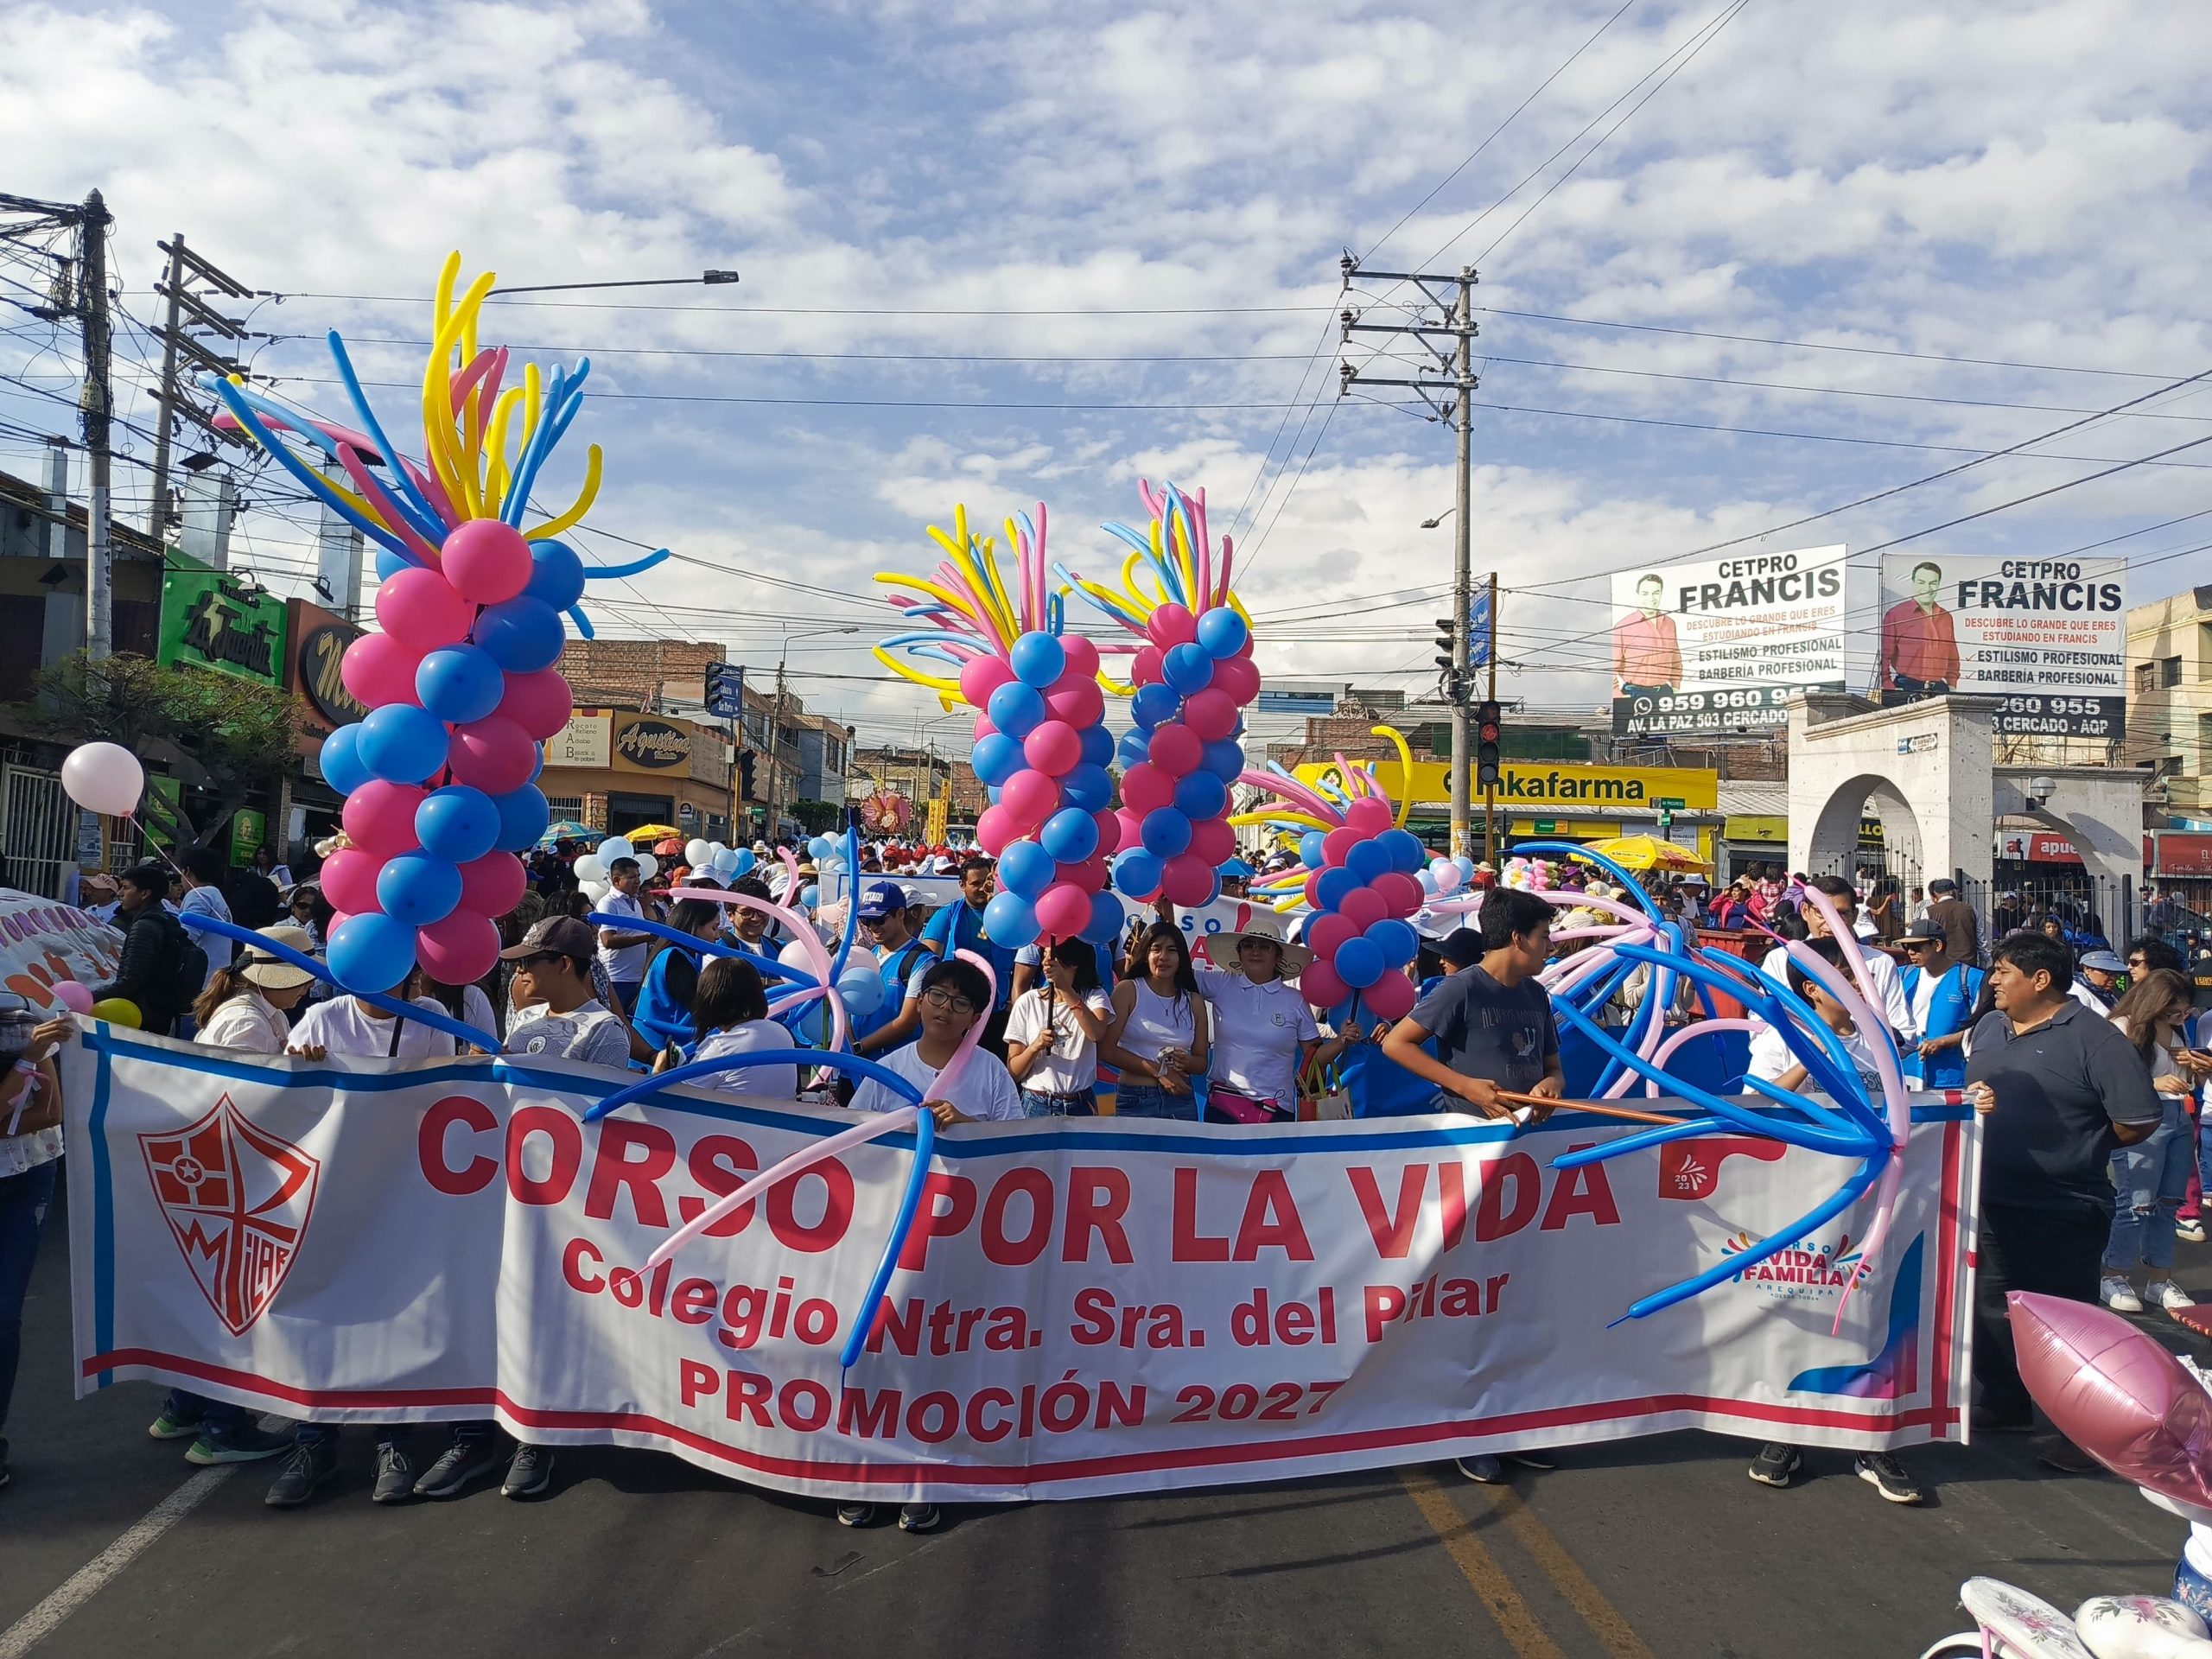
<point>212,620</point>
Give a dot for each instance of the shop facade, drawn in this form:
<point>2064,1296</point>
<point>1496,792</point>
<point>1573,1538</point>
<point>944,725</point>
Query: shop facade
<point>615,770</point>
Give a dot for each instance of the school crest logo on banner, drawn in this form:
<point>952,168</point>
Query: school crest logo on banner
<point>238,1200</point>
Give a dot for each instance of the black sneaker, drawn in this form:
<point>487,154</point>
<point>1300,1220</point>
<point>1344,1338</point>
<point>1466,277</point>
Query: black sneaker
<point>531,1472</point>
<point>395,1476</point>
<point>919,1518</point>
<point>1482,1468</point>
<point>1776,1464</point>
<point>461,1463</point>
<point>855,1514</point>
<point>1887,1476</point>
<point>1533,1459</point>
<point>245,1442</point>
<point>306,1468</point>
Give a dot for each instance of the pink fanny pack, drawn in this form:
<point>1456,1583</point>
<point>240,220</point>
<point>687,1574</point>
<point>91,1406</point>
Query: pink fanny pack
<point>1241,1107</point>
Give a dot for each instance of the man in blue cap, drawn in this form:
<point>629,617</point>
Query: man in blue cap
<point>901,959</point>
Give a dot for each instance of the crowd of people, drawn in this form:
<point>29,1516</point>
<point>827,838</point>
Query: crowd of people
<point>2089,1071</point>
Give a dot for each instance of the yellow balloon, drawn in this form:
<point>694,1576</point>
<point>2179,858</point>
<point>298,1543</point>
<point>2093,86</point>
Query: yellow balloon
<point>118,1011</point>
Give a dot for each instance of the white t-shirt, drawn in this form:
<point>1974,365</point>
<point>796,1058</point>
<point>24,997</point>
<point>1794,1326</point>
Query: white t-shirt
<point>1889,994</point>
<point>587,1032</point>
<point>1770,1058</point>
<point>476,1010</point>
<point>1256,1033</point>
<point>209,902</point>
<point>627,965</point>
<point>342,1026</point>
<point>780,1081</point>
<point>248,1023</point>
<point>984,1087</point>
<point>1070,1065</point>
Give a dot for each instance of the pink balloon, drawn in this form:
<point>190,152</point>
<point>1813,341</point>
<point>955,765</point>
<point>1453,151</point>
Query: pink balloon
<point>486,561</point>
<point>1238,677</point>
<point>379,817</point>
<point>420,609</point>
<point>983,727</point>
<point>349,878</point>
<point>1111,837</point>
<point>1401,894</point>
<point>1062,911</point>
<point>1321,986</point>
<point>1363,907</point>
<point>1212,840</point>
<point>2116,1393</point>
<point>1313,889</point>
<point>493,754</point>
<point>1076,699</point>
<point>1028,798</point>
<point>994,829</point>
<point>981,675</point>
<point>1211,713</point>
<point>1328,931</point>
<point>1187,880</point>
<point>1369,815</point>
<point>1082,655</point>
<point>492,885</point>
<point>1337,845</point>
<point>1145,788</point>
<point>1053,746</point>
<point>1090,875</point>
<point>540,703</point>
<point>1129,826</point>
<point>1144,667</point>
<point>1171,625</point>
<point>1391,997</point>
<point>459,949</point>
<point>78,998</point>
<point>377,670</point>
<point>1176,750</point>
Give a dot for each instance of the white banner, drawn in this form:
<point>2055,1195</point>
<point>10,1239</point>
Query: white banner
<point>43,942</point>
<point>2049,635</point>
<point>1086,1306</point>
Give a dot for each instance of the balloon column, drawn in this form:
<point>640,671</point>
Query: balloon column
<point>1190,679</point>
<point>460,682</point>
<point>1041,743</point>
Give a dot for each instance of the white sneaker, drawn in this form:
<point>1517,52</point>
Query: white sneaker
<point>2168,1295</point>
<point>2119,1295</point>
<point>2189,1232</point>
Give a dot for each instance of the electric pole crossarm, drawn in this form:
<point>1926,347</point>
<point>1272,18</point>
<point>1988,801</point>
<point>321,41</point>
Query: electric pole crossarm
<point>1453,331</point>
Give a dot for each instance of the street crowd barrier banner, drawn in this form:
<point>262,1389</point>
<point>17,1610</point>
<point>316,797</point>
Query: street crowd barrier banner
<point>1082,1307</point>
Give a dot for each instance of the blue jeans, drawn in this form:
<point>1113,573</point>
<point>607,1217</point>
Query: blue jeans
<point>1150,1100</point>
<point>1037,1104</point>
<point>2149,1177</point>
<point>24,1199</point>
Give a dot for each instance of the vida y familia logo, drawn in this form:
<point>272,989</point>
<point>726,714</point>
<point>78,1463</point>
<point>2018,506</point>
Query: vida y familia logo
<point>1806,1270</point>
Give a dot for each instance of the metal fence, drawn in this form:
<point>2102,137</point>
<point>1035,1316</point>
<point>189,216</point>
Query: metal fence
<point>38,831</point>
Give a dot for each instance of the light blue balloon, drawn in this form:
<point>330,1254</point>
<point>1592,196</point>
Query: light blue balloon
<point>389,564</point>
<point>1010,919</point>
<point>1071,835</point>
<point>1309,850</point>
<point>1038,658</point>
<point>1187,668</point>
<point>809,896</point>
<point>343,769</point>
<point>747,859</point>
<point>371,952</point>
<point>1015,709</point>
<point>820,847</point>
<point>400,743</point>
<point>1467,868</point>
<point>1359,962</point>
<point>1427,882</point>
<point>418,889</point>
<point>460,683</point>
<point>862,992</point>
<point>997,758</point>
<point>1026,869</point>
<point>1222,632</point>
<point>1165,832</point>
<point>459,823</point>
<point>523,815</point>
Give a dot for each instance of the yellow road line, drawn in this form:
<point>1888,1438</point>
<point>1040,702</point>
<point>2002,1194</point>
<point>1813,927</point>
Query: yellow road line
<point>1600,1615</point>
<point>1479,1568</point>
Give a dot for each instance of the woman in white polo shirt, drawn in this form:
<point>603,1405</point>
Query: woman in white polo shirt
<point>1263,1033</point>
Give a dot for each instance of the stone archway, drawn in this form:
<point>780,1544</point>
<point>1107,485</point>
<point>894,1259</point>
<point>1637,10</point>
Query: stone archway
<point>1833,848</point>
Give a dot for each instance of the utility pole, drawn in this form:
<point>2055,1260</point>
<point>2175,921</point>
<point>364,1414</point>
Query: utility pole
<point>1448,392</point>
<point>97,405</point>
<point>189,311</point>
<point>157,513</point>
<point>1490,657</point>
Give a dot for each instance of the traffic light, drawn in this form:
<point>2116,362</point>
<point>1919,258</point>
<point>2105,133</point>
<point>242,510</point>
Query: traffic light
<point>1446,662</point>
<point>1489,728</point>
<point>745,774</point>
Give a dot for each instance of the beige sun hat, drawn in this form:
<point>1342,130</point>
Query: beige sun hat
<point>268,971</point>
<point>1263,924</point>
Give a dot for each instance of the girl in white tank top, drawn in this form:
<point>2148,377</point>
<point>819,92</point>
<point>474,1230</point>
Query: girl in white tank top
<point>1158,1036</point>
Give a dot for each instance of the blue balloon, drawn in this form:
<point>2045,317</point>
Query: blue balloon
<point>1396,939</point>
<point>400,743</point>
<point>997,758</point>
<point>747,858</point>
<point>1098,746</point>
<point>1070,835</point>
<point>1200,795</point>
<point>1466,868</point>
<point>1038,658</point>
<point>1187,669</point>
<point>809,896</point>
<point>820,847</point>
<point>343,769</point>
<point>1427,882</point>
<point>1165,832</point>
<point>460,823</point>
<point>522,634</point>
<point>993,791</point>
<point>1334,884</point>
<point>460,683</point>
<point>523,814</point>
<point>1222,632</point>
<point>1136,873</point>
<point>1089,787</point>
<point>1367,860</point>
<point>1105,923</point>
<point>1359,962</point>
<point>1015,709</point>
<point>418,889</point>
<point>1133,748</point>
<point>389,564</point>
<point>557,576</point>
<point>371,952</point>
<point>1224,758</point>
<point>1026,869</point>
<point>1154,705</point>
<point>1309,850</point>
<point>1406,851</point>
<point>863,991</point>
<point>1213,889</point>
<point>1009,919</point>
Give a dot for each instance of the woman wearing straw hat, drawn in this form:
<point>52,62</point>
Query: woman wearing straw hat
<point>245,1003</point>
<point>1263,1033</point>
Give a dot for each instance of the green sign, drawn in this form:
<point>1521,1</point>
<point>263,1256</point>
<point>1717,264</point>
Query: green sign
<point>1546,826</point>
<point>1670,804</point>
<point>211,621</point>
<point>157,821</point>
<point>249,829</point>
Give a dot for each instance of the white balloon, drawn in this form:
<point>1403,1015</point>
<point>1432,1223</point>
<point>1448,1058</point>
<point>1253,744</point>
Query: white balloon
<point>595,891</point>
<point>104,778</point>
<point>589,869</point>
<point>648,865</point>
<point>796,955</point>
<point>697,853</point>
<point>616,847</point>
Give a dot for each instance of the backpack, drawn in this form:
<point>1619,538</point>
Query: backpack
<point>185,975</point>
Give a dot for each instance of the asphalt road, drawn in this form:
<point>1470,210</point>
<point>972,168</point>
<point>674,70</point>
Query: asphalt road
<point>1657,1547</point>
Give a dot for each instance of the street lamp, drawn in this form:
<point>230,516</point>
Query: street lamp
<point>709,279</point>
<point>1430,524</point>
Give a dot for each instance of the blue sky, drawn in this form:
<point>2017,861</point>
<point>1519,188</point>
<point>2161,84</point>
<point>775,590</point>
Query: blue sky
<point>912,190</point>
